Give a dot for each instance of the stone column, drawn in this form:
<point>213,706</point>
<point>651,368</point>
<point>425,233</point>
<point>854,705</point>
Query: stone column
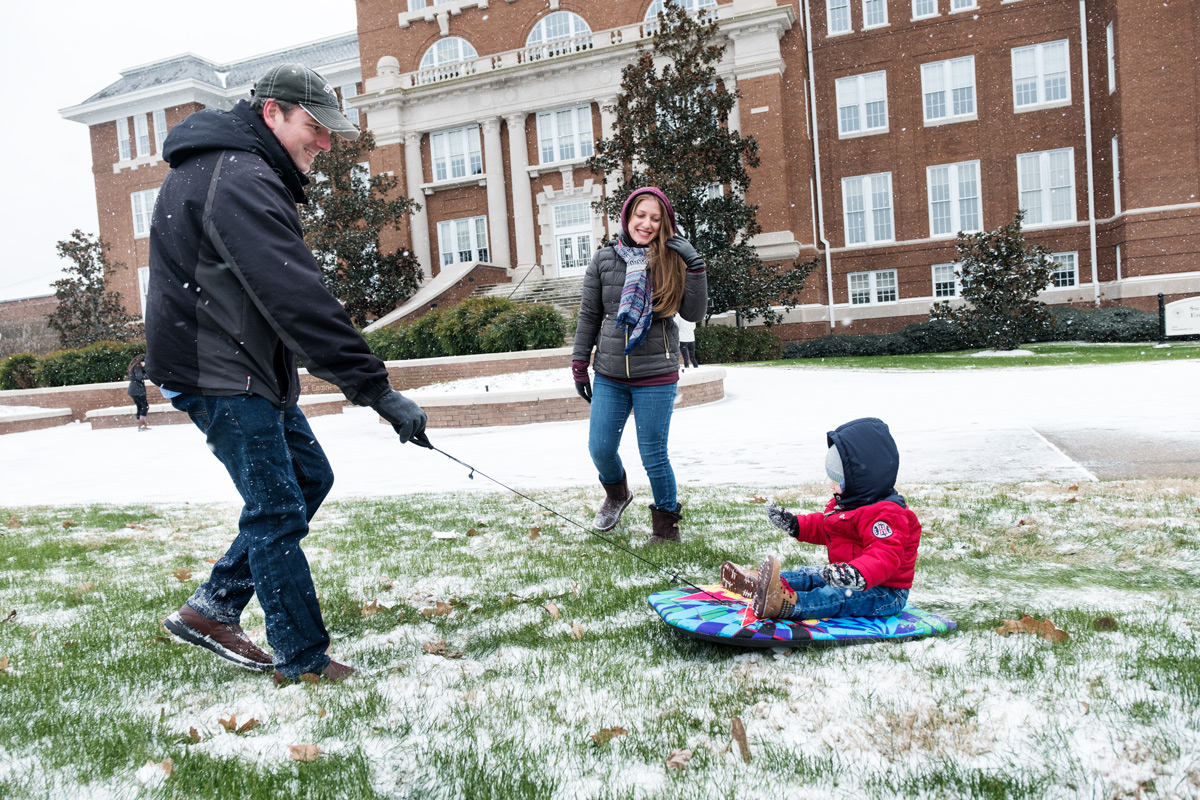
<point>518,159</point>
<point>497,197</point>
<point>415,174</point>
<point>608,128</point>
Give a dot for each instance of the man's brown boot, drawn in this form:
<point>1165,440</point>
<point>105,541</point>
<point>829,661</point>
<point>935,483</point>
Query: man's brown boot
<point>332,673</point>
<point>228,641</point>
<point>617,498</point>
<point>771,599</point>
<point>664,525</point>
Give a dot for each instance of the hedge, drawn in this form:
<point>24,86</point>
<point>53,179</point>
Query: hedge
<point>101,362</point>
<point>477,325</point>
<point>723,344</point>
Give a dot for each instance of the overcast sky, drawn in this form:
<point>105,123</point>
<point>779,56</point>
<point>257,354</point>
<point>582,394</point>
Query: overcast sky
<point>57,54</point>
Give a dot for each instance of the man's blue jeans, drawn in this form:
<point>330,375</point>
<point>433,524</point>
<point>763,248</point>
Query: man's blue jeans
<point>651,407</point>
<point>815,599</point>
<point>282,475</point>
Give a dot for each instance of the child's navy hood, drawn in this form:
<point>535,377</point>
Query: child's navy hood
<point>870,462</point>
<point>239,129</point>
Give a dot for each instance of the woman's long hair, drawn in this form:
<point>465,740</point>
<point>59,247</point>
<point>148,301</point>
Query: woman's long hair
<point>138,359</point>
<point>668,273</point>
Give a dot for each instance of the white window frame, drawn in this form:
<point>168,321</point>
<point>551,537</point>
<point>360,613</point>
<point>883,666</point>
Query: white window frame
<point>951,284</point>
<point>578,235</point>
<point>143,275</point>
<point>947,78</point>
<point>693,7</point>
<point>449,146</point>
<point>871,197</point>
<point>1110,42</point>
<point>572,145</point>
<point>124,152</point>
<point>875,286</point>
<point>838,12</point>
<point>1116,176</point>
<point>417,5</point>
<point>1047,170</point>
<point>879,6</point>
<point>962,5</point>
<point>446,58</point>
<point>141,135</point>
<point>916,13</point>
<point>160,129</point>
<point>473,248</point>
<point>142,205</point>
<point>349,90</point>
<point>1066,270</point>
<point>955,197</point>
<point>1040,76</point>
<point>857,91</point>
<point>548,38</point>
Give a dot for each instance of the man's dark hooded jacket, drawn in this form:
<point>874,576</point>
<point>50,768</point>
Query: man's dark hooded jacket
<point>868,525</point>
<point>235,296</point>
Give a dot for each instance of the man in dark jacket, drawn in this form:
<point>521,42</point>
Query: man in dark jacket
<point>234,298</point>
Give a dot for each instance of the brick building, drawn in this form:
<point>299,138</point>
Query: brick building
<point>884,126</point>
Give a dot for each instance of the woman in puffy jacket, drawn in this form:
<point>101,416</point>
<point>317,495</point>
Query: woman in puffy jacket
<point>632,290</point>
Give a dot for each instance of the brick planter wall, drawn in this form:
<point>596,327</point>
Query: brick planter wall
<point>34,420</point>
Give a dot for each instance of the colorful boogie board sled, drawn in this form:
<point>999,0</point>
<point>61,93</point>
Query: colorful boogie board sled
<point>718,615</point>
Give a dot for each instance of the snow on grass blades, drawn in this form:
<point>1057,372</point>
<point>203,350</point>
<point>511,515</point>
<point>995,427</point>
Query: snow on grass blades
<point>718,615</point>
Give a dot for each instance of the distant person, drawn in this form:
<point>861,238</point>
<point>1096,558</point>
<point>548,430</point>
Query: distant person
<point>687,341</point>
<point>235,297</point>
<point>870,534</point>
<point>137,390</point>
<point>631,292</point>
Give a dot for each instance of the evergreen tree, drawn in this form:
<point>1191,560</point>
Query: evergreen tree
<point>87,312</point>
<point>672,132</point>
<point>346,212</point>
<point>1001,276</point>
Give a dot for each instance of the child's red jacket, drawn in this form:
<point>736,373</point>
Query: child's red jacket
<point>879,540</point>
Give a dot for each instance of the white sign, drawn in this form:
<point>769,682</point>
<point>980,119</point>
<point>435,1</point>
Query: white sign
<point>1183,317</point>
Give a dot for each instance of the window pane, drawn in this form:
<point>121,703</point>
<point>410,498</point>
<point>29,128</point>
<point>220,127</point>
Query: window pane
<point>939,200</point>
<point>968,198</point>
<point>885,286</point>
<point>856,225</point>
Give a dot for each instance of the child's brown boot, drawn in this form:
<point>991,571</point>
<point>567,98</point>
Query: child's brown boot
<point>772,598</point>
<point>739,580</point>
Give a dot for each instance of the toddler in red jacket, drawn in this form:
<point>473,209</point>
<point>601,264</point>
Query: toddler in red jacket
<point>869,532</point>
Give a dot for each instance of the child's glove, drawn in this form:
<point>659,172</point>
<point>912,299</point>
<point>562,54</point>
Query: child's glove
<point>843,576</point>
<point>784,520</point>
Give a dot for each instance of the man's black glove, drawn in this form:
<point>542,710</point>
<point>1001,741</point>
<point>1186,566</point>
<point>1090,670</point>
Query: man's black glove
<point>784,520</point>
<point>843,576</point>
<point>688,253</point>
<point>406,417</point>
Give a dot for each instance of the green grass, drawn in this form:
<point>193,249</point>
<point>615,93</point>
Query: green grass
<point>1045,354</point>
<point>500,699</point>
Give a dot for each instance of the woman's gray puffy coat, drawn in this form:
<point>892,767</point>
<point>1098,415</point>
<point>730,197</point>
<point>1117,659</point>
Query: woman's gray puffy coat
<point>659,353</point>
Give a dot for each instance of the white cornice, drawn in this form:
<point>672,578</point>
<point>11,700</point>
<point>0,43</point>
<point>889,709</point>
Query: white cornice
<point>148,99</point>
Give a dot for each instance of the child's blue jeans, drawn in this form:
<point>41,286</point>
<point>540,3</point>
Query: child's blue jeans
<point>815,599</point>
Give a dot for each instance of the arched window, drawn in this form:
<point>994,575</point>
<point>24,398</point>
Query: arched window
<point>445,59</point>
<point>558,33</point>
<point>690,6</point>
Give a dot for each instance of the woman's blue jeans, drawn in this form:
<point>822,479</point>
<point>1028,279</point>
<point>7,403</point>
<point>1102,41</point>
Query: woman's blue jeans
<point>651,407</point>
<point>815,599</point>
<point>282,474</point>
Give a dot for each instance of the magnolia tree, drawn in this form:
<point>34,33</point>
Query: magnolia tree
<point>346,213</point>
<point>87,311</point>
<point>1001,276</point>
<point>672,131</point>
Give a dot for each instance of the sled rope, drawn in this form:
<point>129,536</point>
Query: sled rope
<point>674,576</point>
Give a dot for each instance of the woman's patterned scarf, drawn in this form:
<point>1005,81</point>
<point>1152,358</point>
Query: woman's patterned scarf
<point>634,314</point>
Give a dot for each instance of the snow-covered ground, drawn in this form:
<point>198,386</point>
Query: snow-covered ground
<point>769,430</point>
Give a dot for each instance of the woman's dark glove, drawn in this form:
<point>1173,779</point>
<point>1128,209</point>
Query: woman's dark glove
<point>688,253</point>
<point>406,417</point>
<point>579,372</point>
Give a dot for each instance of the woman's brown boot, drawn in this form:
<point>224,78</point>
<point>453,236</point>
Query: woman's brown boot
<point>617,498</point>
<point>664,524</point>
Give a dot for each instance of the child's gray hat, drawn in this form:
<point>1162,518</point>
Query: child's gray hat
<point>833,465</point>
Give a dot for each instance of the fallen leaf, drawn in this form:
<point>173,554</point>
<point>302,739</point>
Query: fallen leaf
<point>439,609</point>
<point>757,499</point>
<point>535,533</point>
<point>438,647</point>
<point>4,664</point>
<point>574,590</point>
<point>232,726</point>
<point>1020,522</point>
<point>85,587</point>
<point>321,714</point>
<point>11,616</point>
<point>194,735</point>
<point>304,752</point>
<point>1074,487</point>
<point>67,523</point>
<point>1086,708</point>
<point>739,736</point>
<point>135,526</point>
<point>605,734</point>
<point>1072,499</point>
<point>168,765</point>
<point>678,759</point>
<point>182,574</point>
<point>1104,624</point>
<point>248,725</point>
<point>472,532</point>
<point>212,560</point>
<point>553,609</point>
<point>1027,624</point>
<point>576,631</point>
<point>372,608</point>
<point>229,724</point>
<point>13,522</point>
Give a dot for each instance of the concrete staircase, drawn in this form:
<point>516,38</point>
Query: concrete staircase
<point>562,293</point>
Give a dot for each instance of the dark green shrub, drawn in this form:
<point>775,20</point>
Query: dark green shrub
<point>937,336</point>
<point>19,371</point>
<point>458,328</point>
<point>421,337</point>
<point>723,344</point>
<point>387,343</point>
<point>1103,325</point>
<point>529,326</point>
<point>101,362</point>
<point>837,347</point>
